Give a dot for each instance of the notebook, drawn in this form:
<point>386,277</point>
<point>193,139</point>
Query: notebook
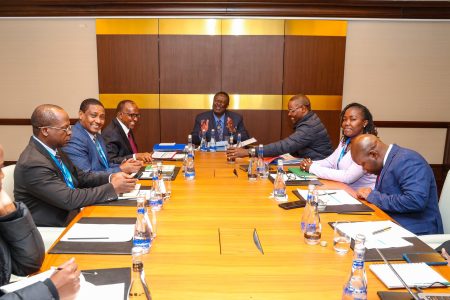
<point>418,274</point>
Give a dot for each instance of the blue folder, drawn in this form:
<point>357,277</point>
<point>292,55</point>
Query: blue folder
<point>169,148</point>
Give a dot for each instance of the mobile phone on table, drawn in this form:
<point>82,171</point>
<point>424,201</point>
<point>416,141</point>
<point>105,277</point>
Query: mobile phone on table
<point>292,205</point>
<point>430,258</point>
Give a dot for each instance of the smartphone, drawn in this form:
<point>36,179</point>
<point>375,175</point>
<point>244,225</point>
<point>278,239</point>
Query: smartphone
<point>293,204</point>
<point>430,258</point>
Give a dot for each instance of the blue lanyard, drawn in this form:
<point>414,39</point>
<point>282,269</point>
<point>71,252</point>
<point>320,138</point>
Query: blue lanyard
<point>101,153</point>
<point>343,152</point>
<point>64,170</point>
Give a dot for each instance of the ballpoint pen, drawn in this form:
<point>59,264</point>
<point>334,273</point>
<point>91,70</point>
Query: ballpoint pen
<point>381,230</point>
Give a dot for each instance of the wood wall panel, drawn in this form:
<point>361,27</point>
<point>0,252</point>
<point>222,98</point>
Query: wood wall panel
<point>314,65</point>
<point>190,64</point>
<point>252,64</point>
<point>147,131</point>
<point>264,125</point>
<point>128,64</point>
<point>329,118</point>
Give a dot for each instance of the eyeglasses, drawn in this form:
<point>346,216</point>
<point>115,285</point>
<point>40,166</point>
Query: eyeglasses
<point>293,110</point>
<point>66,130</point>
<point>133,116</point>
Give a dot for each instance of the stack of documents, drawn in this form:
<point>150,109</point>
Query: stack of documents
<point>332,197</point>
<point>379,234</point>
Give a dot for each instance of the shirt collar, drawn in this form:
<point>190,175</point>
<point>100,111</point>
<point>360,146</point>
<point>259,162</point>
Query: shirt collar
<point>52,152</point>
<point>222,118</point>
<point>124,127</point>
<point>92,136</point>
<point>387,154</point>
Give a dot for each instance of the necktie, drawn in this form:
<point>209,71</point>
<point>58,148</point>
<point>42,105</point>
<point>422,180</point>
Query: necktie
<point>101,152</point>
<point>132,144</point>
<point>219,130</point>
<point>64,170</point>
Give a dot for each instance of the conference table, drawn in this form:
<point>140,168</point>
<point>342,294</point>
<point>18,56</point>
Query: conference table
<point>204,247</point>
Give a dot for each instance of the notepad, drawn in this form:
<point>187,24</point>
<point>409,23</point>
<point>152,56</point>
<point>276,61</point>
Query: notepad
<point>419,274</point>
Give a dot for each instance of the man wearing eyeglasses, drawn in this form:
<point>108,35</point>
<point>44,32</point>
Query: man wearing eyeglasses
<point>120,142</point>
<point>309,139</point>
<point>46,180</point>
<point>86,147</point>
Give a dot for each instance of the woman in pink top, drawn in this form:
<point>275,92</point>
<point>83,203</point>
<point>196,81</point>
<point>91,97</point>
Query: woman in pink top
<point>355,119</point>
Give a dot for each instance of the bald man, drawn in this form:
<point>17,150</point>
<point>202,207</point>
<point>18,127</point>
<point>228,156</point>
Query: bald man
<point>309,139</point>
<point>46,180</point>
<point>405,187</point>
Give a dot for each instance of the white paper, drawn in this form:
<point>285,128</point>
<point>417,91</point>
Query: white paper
<point>99,233</point>
<point>248,142</point>
<point>332,197</point>
<point>290,177</point>
<point>391,238</point>
<point>133,196</point>
<point>179,156</point>
<point>167,144</point>
<point>26,281</point>
<point>162,155</point>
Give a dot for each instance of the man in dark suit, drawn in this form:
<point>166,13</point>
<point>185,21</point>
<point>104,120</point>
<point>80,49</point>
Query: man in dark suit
<point>46,180</point>
<point>120,142</point>
<point>86,148</point>
<point>224,122</point>
<point>405,186</point>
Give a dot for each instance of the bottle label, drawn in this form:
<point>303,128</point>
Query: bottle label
<point>355,293</point>
<point>156,202</point>
<point>141,210</point>
<point>358,264</point>
<point>310,227</point>
<point>142,242</point>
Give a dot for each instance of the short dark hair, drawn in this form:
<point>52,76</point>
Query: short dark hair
<point>122,104</point>
<point>303,100</point>
<point>89,101</point>
<point>44,115</point>
<point>225,94</point>
<point>370,127</point>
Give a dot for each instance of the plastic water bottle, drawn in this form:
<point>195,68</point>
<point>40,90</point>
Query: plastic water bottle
<point>212,141</point>
<point>190,146</point>
<point>251,171</point>
<point>203,143</point>
<point>356,286</point>
<point>138,286</point>
<point>261,166</point>
<point>185,153</point>
<point>238,140</point>
<point>142,234</point>
<point>161,183</point>
<point>313,228</point>
<point>230,160</point>
<point>279,186</point>
<point>308,207</point>
<point>189,174</point>
<point>156,199</point>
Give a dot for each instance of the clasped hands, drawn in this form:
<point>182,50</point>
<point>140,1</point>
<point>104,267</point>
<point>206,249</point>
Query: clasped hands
<point>204,125</point>
<point>306,164</point>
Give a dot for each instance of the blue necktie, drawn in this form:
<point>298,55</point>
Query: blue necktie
<point>64,170</point>
<point>219,130</point>
<point>101,152</point>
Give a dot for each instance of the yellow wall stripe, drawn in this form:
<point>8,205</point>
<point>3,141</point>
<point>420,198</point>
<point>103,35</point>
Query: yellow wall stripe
<point>252,27</point>
<point>316,27</point>
<point>142,100</point>
<point>127,26</point>
<point>319,102</point>
<point>190,26</point>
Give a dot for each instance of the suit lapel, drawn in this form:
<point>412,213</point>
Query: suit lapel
<point>386,167</point>
<point>90,143</point>
<point>123,135</point>
<point>44,152</point>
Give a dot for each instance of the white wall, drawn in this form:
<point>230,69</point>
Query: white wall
<point>401,71</point>
<point>44,61</point>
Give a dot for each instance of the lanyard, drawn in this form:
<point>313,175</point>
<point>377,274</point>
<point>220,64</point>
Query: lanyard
<point>101,153</point>
<point>64,170</point>
<point>344,150</point>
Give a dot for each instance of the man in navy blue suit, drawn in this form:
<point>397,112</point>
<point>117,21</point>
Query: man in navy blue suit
<point>223,121</point>
<point>86,148</point>
<point>405,187</point>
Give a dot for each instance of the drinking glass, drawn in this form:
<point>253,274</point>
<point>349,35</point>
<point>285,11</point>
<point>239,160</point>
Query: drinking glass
<point>341,241</point>
<point>168,187</point>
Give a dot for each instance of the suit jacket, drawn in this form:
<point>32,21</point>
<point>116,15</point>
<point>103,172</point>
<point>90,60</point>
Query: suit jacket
<point>39,183</point>
<point>117,144</point>
<point>209,115</point>
<point>406,190</point>
<point>83,152</point>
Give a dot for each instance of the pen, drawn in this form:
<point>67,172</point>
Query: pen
<point>89,238</point>
<point>332,193</point>
<point>381,230</point>
<point>83,272</point>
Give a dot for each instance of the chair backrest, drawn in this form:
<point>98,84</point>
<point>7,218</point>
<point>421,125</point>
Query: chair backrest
<point>444,204</point>
<point>8,181</point>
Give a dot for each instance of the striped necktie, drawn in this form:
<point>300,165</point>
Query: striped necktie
<point>219,130</point>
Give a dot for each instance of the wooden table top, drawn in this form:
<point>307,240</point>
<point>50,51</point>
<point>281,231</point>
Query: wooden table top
<point>188,259</point>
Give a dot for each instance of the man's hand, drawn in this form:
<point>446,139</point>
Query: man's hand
<point>131,166</point>
<point>204,125</point>
<point>67,280</point>
<point>306,164</point>
<point>363,193</point>
<point>144,157</point>
<point>230,125</point>
<point>234,152</point>
<point>445,255</point>
<point>6,204</point>
<point>122,182</point>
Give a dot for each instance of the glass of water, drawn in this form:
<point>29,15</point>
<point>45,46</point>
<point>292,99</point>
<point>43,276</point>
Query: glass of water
<point>168,187</point>
<point>341,241</point>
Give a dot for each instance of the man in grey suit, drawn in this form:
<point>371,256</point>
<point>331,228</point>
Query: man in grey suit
<point>46,180</point>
